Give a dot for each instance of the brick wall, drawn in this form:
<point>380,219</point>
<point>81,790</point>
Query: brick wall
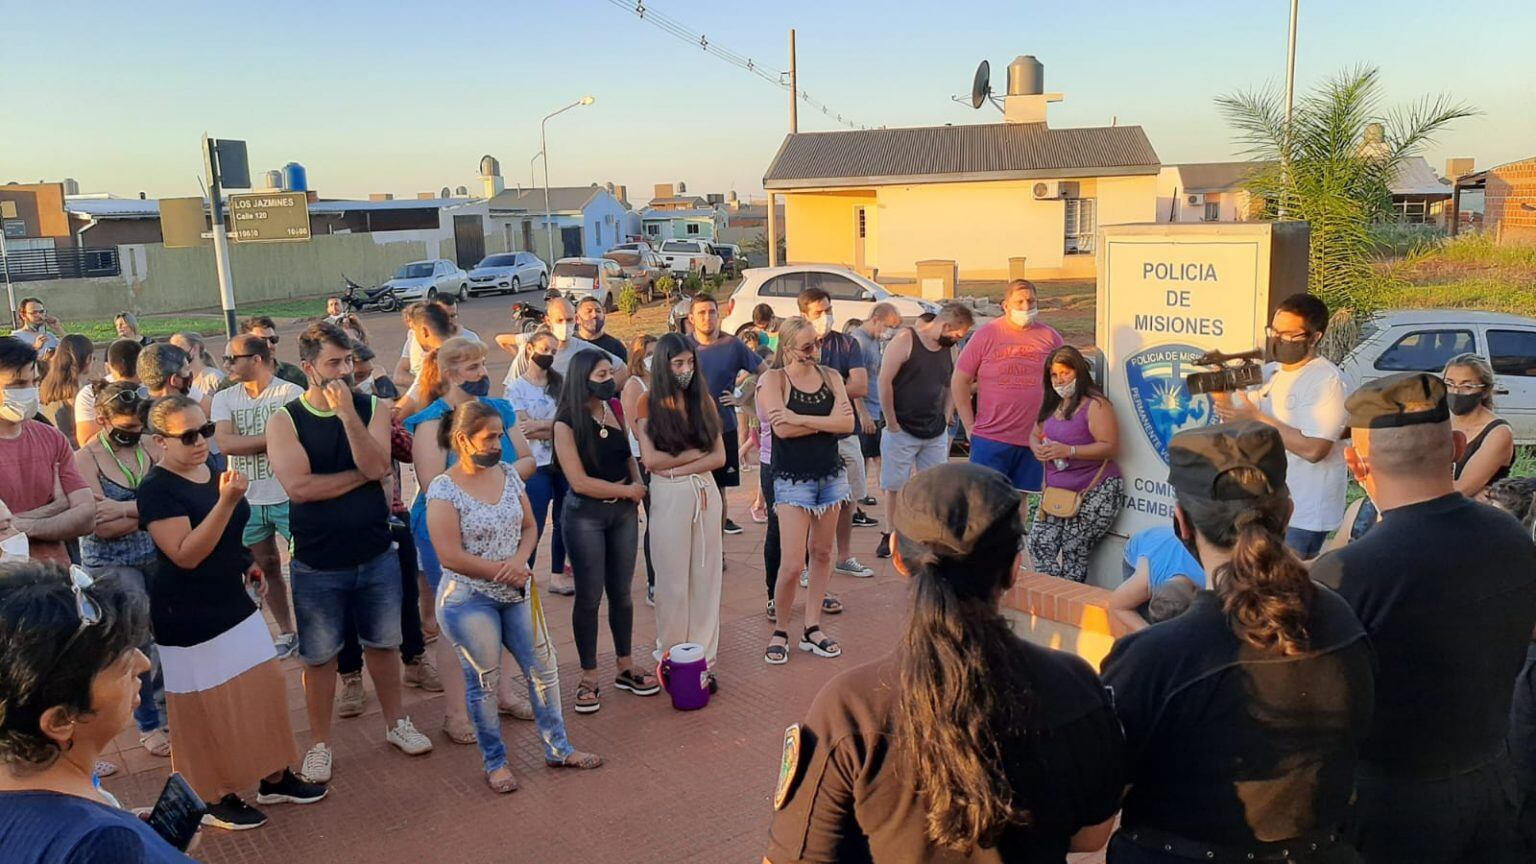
<point>1510,202</point>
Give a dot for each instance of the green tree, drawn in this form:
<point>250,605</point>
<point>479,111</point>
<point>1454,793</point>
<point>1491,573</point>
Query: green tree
<point>1333,168</point>
<point>758,245</point>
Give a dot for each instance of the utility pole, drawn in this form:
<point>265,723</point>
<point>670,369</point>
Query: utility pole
<point>794,87</point>
<point>220,238</point>
<point>549,227</point>
<point>8,211</point>
<point>1290,98</point>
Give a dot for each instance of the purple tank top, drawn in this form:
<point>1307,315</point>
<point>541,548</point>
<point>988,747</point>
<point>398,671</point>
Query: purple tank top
<point>1079,472</point>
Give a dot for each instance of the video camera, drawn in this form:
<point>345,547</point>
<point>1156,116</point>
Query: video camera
<point>1233,372</point>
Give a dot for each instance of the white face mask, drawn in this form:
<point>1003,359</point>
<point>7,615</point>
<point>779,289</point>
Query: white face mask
<point>823,324</point>
<point>19,404</point>
<point>561,331</point>
<point>647,364</point>
<point>1066,390</point>
<point>1023,317</point>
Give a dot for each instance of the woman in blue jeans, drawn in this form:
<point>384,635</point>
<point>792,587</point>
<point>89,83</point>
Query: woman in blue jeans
<point>451,376</point>
<point>482,526</point>
<point>534,395</point>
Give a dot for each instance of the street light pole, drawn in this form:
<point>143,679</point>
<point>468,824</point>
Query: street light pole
<point>1290,98</point>
<point>549,228</point>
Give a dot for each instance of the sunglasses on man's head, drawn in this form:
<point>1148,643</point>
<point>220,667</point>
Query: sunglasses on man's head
<point>190,436</point>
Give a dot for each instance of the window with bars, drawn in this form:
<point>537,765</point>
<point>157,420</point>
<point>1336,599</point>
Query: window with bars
<point>1081,225</point>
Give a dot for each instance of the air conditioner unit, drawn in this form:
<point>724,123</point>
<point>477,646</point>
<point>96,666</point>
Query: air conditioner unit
<point>1047,189</point>
<point>1194,200</point>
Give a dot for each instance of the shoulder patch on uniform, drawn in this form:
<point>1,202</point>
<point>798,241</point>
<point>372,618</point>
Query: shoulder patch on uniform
<point>789,766</point>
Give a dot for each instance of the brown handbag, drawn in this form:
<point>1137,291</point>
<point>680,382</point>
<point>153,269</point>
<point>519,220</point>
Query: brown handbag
<point>1064,503</point>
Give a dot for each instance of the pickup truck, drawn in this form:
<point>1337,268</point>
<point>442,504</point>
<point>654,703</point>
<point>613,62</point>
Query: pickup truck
<point>684,256</point>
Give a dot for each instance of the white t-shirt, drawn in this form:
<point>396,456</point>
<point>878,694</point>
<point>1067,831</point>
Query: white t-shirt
<point>532,402</point>
<point>249,417</point>
<point>1312,400</point>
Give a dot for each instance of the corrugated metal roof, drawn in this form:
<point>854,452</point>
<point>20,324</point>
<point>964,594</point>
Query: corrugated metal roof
<point>562,199</point>
<point>1415,177</point>
<point>932,154</point>
<point>678,214</point>
<point>1217,176</point>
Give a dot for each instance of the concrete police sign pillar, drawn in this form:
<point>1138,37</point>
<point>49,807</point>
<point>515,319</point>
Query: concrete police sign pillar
<point>1166,295</point>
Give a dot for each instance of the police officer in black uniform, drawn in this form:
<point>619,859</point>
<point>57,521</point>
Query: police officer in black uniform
<point>1446,588</point>
<point>967,743</point>
<point>1243,716</point>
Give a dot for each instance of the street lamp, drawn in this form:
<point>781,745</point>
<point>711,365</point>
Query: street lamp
<point>549,228</point>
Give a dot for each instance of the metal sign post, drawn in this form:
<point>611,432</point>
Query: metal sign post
<point>220,239</point>
<point>8,211</point>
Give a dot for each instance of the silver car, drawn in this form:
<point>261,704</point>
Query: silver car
<point>508,272</point>
<point>425,280</point>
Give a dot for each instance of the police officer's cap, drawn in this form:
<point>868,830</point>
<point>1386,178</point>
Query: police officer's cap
<point>950,507</point>
<point>1205,462</point>
<point>1404,399</point>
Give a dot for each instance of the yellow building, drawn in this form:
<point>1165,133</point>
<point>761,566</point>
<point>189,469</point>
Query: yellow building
<point>883,199</point>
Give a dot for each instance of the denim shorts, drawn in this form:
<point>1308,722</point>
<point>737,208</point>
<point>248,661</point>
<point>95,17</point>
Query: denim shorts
<point>816,496</point>
<point>322,600</point>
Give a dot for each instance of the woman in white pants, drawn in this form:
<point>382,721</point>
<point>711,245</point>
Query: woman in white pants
<point>680,444</point>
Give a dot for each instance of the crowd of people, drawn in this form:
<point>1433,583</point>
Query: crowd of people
<point>1321,684</point>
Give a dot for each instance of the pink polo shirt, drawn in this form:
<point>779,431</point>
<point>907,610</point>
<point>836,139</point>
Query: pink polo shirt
<point>28,465</point>
<point>1008,364</point>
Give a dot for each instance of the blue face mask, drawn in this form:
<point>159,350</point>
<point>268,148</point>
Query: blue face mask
<point>480,388</point>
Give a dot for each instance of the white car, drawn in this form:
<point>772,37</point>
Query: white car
<point>425,280</point>
<point>852,295</point>
<point>508,272</point>
<point>683,256</point>
<point>1423,340</point>
<point>576,278</point>
<point>634,246</point>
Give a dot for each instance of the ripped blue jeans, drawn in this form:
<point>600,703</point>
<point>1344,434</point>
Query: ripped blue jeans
<point>479,627</point>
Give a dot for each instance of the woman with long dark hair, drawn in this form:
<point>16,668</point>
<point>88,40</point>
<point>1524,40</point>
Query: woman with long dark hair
<point>1075,439</point>
<point>1243,715</point>
<point>630,396</point>
<point>680,444</point>
<point>968,743</point>
<point>601,521</point>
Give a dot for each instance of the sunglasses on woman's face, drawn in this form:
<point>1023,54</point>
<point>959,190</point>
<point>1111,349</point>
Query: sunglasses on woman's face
<point>190,436</point>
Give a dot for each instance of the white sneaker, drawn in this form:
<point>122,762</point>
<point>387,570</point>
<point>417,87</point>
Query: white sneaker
<point>805,578</point>
<point>405,737</point>
<point>850,566</point>
<point>316,767</point>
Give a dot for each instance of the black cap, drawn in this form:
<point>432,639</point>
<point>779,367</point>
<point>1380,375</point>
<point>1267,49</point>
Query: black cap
<point>949,507</point>
<point>1404,399</point>
<point>1201,462</point>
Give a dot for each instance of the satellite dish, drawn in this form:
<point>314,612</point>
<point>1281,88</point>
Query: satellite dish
<point>981,87</point>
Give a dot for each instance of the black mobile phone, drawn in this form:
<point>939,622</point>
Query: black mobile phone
<point>384,388</point>
<point>177,813</point>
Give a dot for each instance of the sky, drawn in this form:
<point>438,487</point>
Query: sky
<point>384,96</point>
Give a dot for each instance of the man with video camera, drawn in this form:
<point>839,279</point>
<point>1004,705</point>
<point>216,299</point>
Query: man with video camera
<point>1303,399</point>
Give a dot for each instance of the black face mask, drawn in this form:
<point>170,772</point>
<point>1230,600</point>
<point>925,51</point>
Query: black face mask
<point>124,438</point>
<point>544,361</point>
<point>947,341</point>
<point>1284,352</point>
<point>1464,403</point>
<point>603,390</point>
<point>486,458</point>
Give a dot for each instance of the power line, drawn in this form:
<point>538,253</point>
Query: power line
<point>683,33</point>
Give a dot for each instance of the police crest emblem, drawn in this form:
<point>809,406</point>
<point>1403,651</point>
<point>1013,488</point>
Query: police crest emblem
<point>789,766</point>
<point>1159,396</point>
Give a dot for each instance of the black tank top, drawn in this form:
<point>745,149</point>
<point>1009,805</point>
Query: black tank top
<point>808,457</point>
<point>1474,445</point>
<point>920,385</point>
<point>340,532</point>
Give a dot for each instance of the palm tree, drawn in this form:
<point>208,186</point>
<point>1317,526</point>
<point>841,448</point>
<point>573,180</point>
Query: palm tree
<point>1333,168</point>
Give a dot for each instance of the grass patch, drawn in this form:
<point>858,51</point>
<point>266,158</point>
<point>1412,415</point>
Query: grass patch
<point>100,331</point>
<point>313,307</point>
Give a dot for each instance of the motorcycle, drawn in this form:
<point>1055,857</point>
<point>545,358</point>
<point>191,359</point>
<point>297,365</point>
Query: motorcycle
<point>382,298</point>
<point>527,315</point>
